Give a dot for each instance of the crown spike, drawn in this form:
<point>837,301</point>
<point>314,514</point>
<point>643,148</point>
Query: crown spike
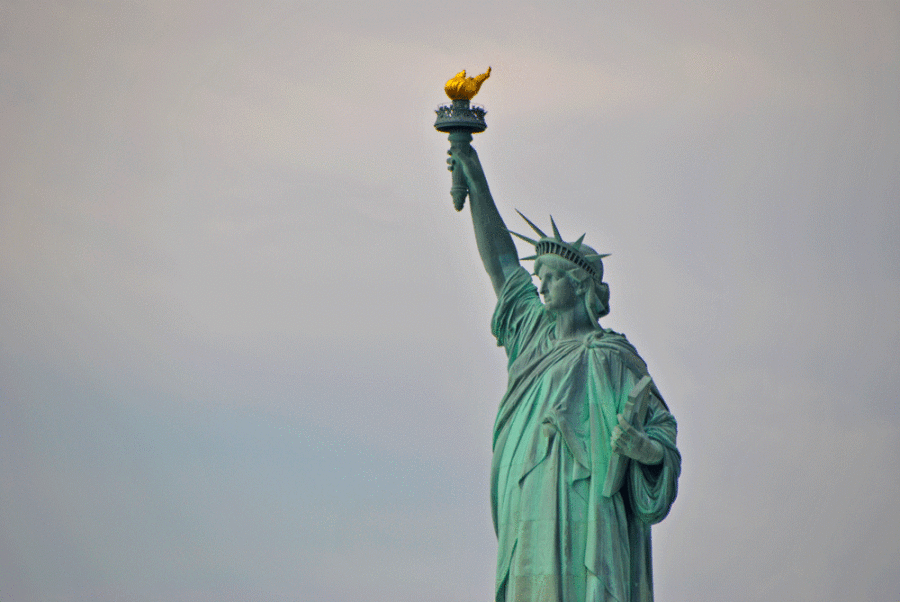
<point>525,238</point>
<point>530,223</point>
<point>555,230</point>
<point>529,258</point>
<point>577,244</point>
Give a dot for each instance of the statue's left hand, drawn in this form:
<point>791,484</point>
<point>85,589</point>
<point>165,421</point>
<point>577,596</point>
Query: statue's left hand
<point>634,443</point>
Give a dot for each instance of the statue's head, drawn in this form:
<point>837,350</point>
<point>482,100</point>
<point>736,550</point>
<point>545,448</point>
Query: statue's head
<point>594,294</point>
<point>582,266</point>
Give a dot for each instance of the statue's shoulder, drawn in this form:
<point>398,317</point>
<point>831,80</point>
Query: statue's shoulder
<point>615,345</point>
<point>608,339</point>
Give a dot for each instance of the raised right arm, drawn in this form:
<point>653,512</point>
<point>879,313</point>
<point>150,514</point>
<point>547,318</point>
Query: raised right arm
<point>495,245</point>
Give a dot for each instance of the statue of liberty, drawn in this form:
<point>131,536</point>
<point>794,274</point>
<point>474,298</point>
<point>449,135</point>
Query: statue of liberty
<point>561,537</point>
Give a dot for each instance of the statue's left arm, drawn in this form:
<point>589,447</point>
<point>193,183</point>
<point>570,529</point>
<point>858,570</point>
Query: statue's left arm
<point>653,487</point>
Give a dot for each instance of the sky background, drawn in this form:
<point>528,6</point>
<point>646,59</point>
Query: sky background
<point>244,338</point>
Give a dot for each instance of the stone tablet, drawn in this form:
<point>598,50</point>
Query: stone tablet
<point>634,413</point>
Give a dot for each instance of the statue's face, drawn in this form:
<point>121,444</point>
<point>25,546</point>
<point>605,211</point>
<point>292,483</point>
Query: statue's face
<point>558,292</point>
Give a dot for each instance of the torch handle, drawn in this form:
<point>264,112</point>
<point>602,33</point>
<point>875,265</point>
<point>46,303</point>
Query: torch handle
<point>459,189</point>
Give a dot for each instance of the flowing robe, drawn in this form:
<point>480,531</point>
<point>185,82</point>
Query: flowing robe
<point>559,538</point>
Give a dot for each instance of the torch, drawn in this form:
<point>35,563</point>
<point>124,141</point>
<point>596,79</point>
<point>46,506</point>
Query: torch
<point>460,121</point>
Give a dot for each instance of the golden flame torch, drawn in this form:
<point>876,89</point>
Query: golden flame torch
<point>460,121</point>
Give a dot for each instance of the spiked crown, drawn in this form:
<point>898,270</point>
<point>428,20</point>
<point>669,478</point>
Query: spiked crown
<point>581,255</point>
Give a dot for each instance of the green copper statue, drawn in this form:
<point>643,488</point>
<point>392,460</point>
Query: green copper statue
<point>584,445</point>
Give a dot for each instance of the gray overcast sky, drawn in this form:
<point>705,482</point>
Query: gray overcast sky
<point>244,337</point>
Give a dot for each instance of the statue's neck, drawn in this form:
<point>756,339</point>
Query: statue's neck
<point>574,324</point>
